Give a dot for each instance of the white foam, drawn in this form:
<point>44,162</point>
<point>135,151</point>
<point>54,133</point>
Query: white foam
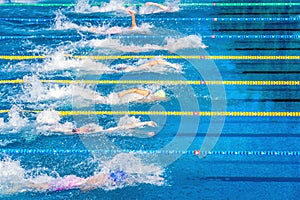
<point>127,120</point>
<point>16,121</point>
<point>35,91</point>
<point>138,171</point>
<point>172,6</point>
<point>11,176</point>
<point>5,142</point>
<point>48,117</point>
<point>172,44</point>
<point>113,5</point>
<point>144,28</point>
<point>58,61</point>
<point>14,178</point>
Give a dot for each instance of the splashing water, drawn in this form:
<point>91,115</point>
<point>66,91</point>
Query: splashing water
<point>35,91</point>
<point>48,117</point>
<point>172,6</point>
<point>15,120</point>
<point>172,44</point>
<point>11,176</point>
<point>62,23</point>
<point>15,179</point>
<point>58,61</point>
<point>83,6</point>
<point>138,171</point>
<point>127,120</point>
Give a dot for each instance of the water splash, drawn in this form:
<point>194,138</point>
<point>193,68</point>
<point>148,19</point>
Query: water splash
<point>83,6</point>
<point>12,177</point>
<point>104,29</point>
<point>35,91</point>
<point>59,62</point>
<point>172,44</point>
<point>48,117</point>
<point>172,6</point>
<point>15,179</point>
<point>16,121</point>
<point>138,171</point>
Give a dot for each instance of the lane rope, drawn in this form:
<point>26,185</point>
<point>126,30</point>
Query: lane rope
<point>18,37</point>
<point>173,113</point>
<point>168,152</point>
<point>161,82</point>
<point>184,19</point>
<point>267,4</point>
<point>222,57</point>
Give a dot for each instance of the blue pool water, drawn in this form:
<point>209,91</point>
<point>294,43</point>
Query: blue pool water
<point>242,157</point>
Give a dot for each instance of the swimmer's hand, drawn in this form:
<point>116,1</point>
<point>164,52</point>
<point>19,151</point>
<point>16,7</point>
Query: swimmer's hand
<point>130,11</point>
<point>152,124</point>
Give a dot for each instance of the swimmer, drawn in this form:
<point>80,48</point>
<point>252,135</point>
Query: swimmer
<point>122,97</point>
<point>70,182</point>
<point>161,8</point>
<point>94,128</point>
<point>124,169</point>
<point>116,30</point>
<point>142,95</point>
<point>151,64</point>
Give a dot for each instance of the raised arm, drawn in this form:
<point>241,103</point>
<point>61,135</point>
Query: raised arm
<point>133,21</point>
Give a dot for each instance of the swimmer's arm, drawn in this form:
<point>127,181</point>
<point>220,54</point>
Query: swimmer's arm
<point>39,186</point>
<point>133,20</point>
<point>157,5</point>
<point>131,126</point>
<point>95,181</point>
<point>61,130</point>
<point>134,90</point>
<point>111,129</point>
<point>153,63</point>
<point>140,124</point>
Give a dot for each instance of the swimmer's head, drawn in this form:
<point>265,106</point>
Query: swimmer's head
<point>160,94</point>
<point>118,176</point>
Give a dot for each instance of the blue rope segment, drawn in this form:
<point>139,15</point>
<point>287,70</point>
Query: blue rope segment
<point>187,152</point>
<point>222,19</point>
<point>21,37</point>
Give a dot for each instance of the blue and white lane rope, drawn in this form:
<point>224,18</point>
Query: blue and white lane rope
<point>168,152</point>
<point>22,37</point>
<point>193,19</point>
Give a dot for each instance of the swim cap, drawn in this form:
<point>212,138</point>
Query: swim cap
<point>160,94</point>
<point>118,176</point>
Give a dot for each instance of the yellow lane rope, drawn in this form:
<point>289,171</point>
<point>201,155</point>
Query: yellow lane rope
<point>161,82</point>
<point>222,57</point>
<point>176,113</point>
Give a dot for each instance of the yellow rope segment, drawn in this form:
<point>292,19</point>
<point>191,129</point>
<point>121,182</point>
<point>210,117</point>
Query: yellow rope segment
<point>10,57</point>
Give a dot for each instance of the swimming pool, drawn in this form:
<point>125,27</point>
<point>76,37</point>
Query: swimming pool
<point>235,103</point>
